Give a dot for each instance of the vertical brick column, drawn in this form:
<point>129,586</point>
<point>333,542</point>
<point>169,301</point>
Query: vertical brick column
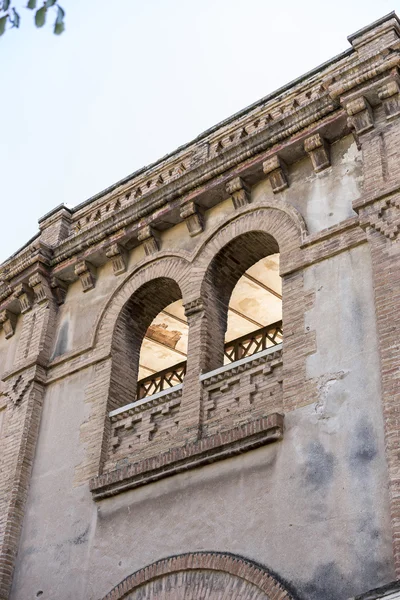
<point>25,393</point>
<point>190,417</point>
<point>379,214</point>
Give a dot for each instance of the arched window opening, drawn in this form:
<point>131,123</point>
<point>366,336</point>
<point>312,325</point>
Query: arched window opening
<point>163,354</point>
<point>146,341</point>
<point>255,311</point>
<point>244,300</point>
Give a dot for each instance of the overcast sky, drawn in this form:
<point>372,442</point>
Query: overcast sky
<point>129,81</point>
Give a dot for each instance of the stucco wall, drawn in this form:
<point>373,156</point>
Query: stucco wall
<point>312,507</point>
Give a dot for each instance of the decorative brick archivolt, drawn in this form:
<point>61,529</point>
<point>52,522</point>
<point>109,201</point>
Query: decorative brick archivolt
<point>278,219</point>
<point>223,572</point>
<point>175,268</point>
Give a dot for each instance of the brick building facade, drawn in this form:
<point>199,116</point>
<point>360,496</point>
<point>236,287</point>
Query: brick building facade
<point>261,465</point>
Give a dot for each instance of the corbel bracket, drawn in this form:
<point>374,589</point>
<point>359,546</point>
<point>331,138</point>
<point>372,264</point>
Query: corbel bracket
<point>190,213</point>
<point>9,321</point>
<point>87,274</point>
<point>389,95</point>
<point>24,296</point>
<point>147,236</point>
<point>239,192</point>
<point>318,150</point>
<point>275,168</point>
<point>360,115</point>
<point>118,256</point>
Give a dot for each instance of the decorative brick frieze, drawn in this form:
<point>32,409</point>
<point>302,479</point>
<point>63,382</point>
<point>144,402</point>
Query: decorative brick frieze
<point>275,169</point>
<point>145,427</point>
<point>389,95</point>
<point>318,150</point>
<point>118,256</point>
<point>204,451</point>
<point>193,218</point>
<point>9,321</point>
<point>361,118</point>
<point>382,215</point>
<point>18,387</point>
<point>249,390</point>
<point>239,192</point>
<point>24,296</point>
<point>87,274</point>
<point>147,236</point>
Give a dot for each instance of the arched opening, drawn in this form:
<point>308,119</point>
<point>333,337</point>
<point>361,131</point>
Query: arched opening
<point>243,291</point>
<point>146,341</point>
<point>163,354</point>
<point>254,320</point>
<point>199,575</point>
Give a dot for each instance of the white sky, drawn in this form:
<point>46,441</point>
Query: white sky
<point>129,81</point>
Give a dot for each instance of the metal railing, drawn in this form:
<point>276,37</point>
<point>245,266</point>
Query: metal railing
<point>253,342</point>
<point>161,381</point>
<point>246,345</point>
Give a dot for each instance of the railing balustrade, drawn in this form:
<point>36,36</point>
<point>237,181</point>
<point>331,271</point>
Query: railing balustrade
<point>254,342</point>
<point>244,346</point>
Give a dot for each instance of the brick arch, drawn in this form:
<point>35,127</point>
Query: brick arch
<point>235,246</point>
<point>174,268</point>
<point>195,574</point>
<point>281,221</point>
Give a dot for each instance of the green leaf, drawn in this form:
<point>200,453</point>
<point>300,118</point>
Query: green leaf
<point>50,3</point>
<point>3,23</point>
<point>31,4</point>
<point>59,24</point>
<point>16,20</point>
<point>40,16</point>
<point>6,4</point>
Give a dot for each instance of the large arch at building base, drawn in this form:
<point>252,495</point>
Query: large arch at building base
<point>202,576</point>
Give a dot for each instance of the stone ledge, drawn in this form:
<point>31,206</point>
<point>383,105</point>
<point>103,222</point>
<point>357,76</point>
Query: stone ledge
<point>195,454</point>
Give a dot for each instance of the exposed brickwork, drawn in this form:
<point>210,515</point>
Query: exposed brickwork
<point>223,416</point>
<point>248,580</point>
<point>207,450</point>
<point>245,392</point>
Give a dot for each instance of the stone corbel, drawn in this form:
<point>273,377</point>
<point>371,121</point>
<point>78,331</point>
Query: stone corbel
<point>40,288</point>
<point>146,235</point>
<point>190,213</point>
<point>24,296</point>
<point>59,289</point>
<point>389,95</point>
<point>275,168</point>
<point>87,274</point>
<point>118,256</point>
<point>239,192</point>
<point>193,307</point>
<point>9,321</point>
<point>318,150</point>
<point>360,115</point>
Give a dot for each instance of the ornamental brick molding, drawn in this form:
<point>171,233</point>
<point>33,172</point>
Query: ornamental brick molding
<point>204,451</point>
<point>191,576</point>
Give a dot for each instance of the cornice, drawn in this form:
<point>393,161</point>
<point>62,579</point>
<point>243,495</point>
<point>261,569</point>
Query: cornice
<point>315,104</point>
